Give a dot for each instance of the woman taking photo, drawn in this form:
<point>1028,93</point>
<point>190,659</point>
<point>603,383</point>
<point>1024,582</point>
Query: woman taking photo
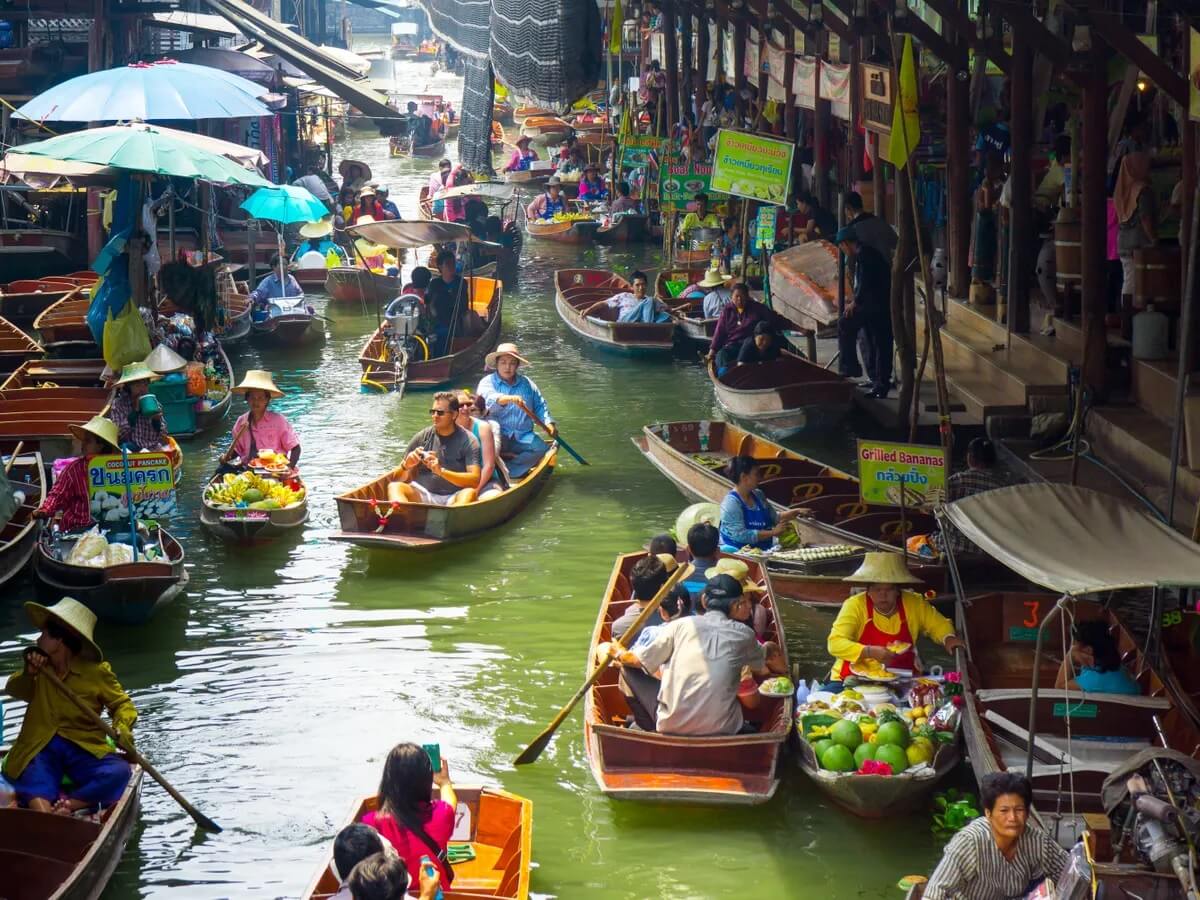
<point>747,517</point>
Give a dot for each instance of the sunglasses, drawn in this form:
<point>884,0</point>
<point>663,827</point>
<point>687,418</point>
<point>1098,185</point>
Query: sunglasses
<point>443,412</point>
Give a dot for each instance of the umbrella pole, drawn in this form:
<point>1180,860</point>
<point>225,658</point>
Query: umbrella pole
<point>171,220</point>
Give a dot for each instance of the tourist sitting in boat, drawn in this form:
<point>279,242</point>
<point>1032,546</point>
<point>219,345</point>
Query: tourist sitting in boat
<point>316,243</point>
<point>523,157</point>
<point>592,187</point>
<point>639,688</point>
<point>140,423</point>
<point>885,616</point>
<point>471,411</point>
<point>1093,664</point>
<point>418,282</point>
<point>367,206</point>
<point>417,125</point>
<point>703,541</point>
<point>645,578</point>
<point>353,844</point>
<point>699,217</point>
<point>717,293</point>
<point>983,473</point>
<point>763,347</point>
<point>736,323</point>
<point>385,877</point>
<point>259,428</point>
<point>390,210</point>
<point>272,288</point>
<point>71,494</point>
<point>407,818</point>
<point>442,462</point>
<point>664,543</point>
<point>505,391</point>
<point>1001,854</point>
<point>635,305</point>
<point>445,299</point>
<point>549,204</point>
<point>747,518</point>
<point>56,739</point>
<point>624,203</point>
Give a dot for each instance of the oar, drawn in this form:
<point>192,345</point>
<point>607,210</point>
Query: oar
<point>12,459</point>
<point>202,820</point>
<point>228,454</point>
<point>557,437</point>
<point>534,750</point>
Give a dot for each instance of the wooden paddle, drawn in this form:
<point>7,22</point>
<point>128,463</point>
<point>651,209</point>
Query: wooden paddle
<point>202,820</point>
<point>534,750</point>
<point>12,459</point>
<point>228,454</point>
<point>558,437</point>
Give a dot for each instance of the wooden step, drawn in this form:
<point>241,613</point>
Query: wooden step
<point>1025,372</point>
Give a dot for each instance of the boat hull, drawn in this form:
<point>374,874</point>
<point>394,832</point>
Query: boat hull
<point>563,232</point>
<point>626,230</point>
<point>18,536</point>
<point>286,330</point>
<point>22,302</point>
<point>350,284</point>
<point>247,527</point>
<point>801,396</point>
<point>577,289</point>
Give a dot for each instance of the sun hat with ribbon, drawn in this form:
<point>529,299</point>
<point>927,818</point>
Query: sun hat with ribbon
<point>504,350</point>
<point>72,615</point>
<point>883,567</point>
<point>735,568</point>
<point>97,426</point>
<point>258,380</point>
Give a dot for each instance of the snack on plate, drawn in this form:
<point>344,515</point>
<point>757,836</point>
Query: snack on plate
<point>780,686</point>
<point>898,646</point>
<point>873,670</point>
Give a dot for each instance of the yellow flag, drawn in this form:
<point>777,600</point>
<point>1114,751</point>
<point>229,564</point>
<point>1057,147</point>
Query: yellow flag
<point>615,25</point>
<point>906,123</point>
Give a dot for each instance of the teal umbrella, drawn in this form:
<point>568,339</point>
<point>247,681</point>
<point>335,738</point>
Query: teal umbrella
<point>144,148</point>
<point>286,204</point>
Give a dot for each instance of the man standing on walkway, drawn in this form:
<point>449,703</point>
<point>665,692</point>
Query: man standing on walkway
<point>869,309</point>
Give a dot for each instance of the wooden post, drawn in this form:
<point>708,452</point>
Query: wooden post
<point>1093,236</point>
<point>703,51</point>
<point>739,66</point>
<point>878,185</point>
<point>1188,127</point>
<point>791,113</point>
<point>854,146</point>
<point>745,238</point>
<point>687,105</point>
<point>958,170</point>
<point>903,304</point>
<point>671,64</point>
<point>1020,236</point>
<point>821,117</point>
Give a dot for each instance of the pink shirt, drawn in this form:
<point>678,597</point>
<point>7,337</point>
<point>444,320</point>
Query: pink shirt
<point>439,826</point>
<point>274,432</point>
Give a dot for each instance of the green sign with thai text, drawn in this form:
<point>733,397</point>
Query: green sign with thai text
<point>747,165</point>
<point>1076,711</point>
<point>885,470</point>
<point>681,182</point>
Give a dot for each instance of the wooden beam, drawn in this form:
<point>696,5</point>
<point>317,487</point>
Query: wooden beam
<point>1127,44</point>
<point>958,19</point>
<point>1042,39</point>
<point>790,14</point>
<point>916,26</point>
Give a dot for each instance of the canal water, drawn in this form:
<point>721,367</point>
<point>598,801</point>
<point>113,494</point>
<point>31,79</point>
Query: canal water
<point>271,692</point>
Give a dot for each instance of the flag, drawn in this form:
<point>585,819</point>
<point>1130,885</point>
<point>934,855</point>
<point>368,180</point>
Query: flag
<point>615,26</point>
<point>906,123</point>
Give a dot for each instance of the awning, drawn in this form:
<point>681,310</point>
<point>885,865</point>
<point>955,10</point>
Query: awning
<point>490,190</point>
<point>1076,541</point>
<point>399,233</point>
<point>233,61</point>
<point>197,23</point>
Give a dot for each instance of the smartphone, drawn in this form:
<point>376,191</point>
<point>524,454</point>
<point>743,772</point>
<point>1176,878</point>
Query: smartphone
<point>434,752</point>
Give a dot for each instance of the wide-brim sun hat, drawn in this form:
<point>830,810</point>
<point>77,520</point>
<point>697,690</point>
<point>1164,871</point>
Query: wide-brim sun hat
<point>100,427</point>
<point>163,360</point>
<point>554,181</point>
<point>735,568</point>
<point>258,380</point>
<point>714,278</point>
<point>883,567</point>
<point>523,139</point>
<point>317,229</point>
<point>137,371</point>
<point>365,220</point>
<point>504,350</point>
<point>73,615</point>
<point>669,562</point>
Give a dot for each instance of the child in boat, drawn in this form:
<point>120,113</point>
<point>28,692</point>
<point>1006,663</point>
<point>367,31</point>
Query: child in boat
<point>69,495</point>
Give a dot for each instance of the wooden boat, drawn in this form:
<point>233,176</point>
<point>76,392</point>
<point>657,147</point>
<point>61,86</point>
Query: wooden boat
<point>19,534</point>
<point>126,594</point>
<point>498,826</point>
<point>32,252</point>
<point>451,132</point>
<point>41,373</point>
<point>48,857</point>
<point>252,526</point>
<point>16,347</point>
<point>521,113</point>
<point>425,203</point>
<point>577,289</point>
<point>545,129</point>
<point>41,417</point>
<point>465,357</point>
<point>627,764</point>
<point>367,518</point>
<point>64,330</point>
<point>398,147</point>
<point>286,325</point>
<point>784,397</point>
<point>356,284</point>
<point>237,319</point>
<point>209,418</point>
<point>311,279</point>
<point>23,301</point>
<point>627,229</point>
<point>685,313</point>
<point>580,231</point>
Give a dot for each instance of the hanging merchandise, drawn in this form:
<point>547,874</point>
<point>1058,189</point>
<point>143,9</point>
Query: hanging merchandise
<point>125,338</point>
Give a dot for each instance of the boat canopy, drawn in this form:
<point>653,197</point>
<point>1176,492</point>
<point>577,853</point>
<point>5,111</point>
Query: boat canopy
<point>1074,540</point>
<point>488,190</point>
<point>399,28</point>
<point>400,233</point>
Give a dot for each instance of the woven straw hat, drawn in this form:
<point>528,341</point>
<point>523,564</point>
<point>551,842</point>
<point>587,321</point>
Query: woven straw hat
<point>97,426</point>
<point>714,278</point>
<point>137,371</point>
<point>504,350</point>
<point>317,229</point>
<point>883,567</point>
<point>258,380</point>
<point>163,359</point>
<point>71,614</point>
<point>735,568</point>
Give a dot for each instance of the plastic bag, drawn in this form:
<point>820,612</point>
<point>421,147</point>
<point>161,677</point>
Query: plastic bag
<point>118,554</point>
<point>197,383</point>
<point>89,550</point>
<point>125,338</point>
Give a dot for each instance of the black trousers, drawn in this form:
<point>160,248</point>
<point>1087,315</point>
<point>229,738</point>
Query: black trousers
<point>876,324</point>
<point>641,693</point>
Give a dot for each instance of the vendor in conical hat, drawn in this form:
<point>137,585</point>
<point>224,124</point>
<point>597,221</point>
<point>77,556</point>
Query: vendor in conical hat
<point>56,739</point>
<point>260,428</point>
<point>885,615</point>
<point>140,423</point>
<point>70,495</point>
<point>316,240</point>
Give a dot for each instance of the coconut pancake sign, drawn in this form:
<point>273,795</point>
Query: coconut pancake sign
<point>901,474</point>
<point>151,483</point>
<point>754,167</point>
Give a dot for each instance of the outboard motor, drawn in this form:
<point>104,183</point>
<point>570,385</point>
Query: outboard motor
<point>403,316</point>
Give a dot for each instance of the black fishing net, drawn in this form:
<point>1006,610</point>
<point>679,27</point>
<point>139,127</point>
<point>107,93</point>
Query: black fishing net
<point>475,133</point>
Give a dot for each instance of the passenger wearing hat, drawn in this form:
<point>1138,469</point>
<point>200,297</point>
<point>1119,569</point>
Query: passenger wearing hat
<point>390,210</point>
<point>717,293</point>
<point>260,428</point>
<point>523,157</point>
<point>56,738</point>
<point>272,287</point>
<point>592,188</point>
<point>502,390</point>
<point>885,614</point>
<point>870,310</point>
<point>315,246</point>
<point>70,494</point>
<point>547,205</point>
<point>368,206</point>
<point>136,429</point>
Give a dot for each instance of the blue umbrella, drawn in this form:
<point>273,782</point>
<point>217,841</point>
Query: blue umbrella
<point>285,203</point>
<point>149,92</point>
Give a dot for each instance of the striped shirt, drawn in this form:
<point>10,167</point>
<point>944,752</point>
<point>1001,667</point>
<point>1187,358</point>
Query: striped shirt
<point>133,428</point>
<point>973,868</point>
<point>70,496</point>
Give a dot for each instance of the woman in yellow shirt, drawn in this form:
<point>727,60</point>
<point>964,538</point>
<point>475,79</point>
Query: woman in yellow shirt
<point>885,614</point>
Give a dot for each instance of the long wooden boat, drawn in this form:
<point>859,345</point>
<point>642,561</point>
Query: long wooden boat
<point>580,231</point>
<point>577,289</point>
<point>211,417</point>
<point>627,229</point>
<point>41,417</point>
<point>498,826</point>
<point>63,328</point>
<point>367,518</point>
<point>311,279</point>
<point>23,301</point>
<point>237,319</point>
<point>43,373</point>
<point>466,354</point>
<point>687,314</point>
<point>425,203</point>
<point>49,857</point>
<point>784,397</point>
<point>287,326</point>
<point>724,770</point>
<point>126,594</point>
<point>252,526</point>
<point>16,347</point>
<point>357,284</point>
<point>19,534</point>
<point>32,252</point>
<point>398,147</point>
<point>521,113</point>
<point>545,129</point>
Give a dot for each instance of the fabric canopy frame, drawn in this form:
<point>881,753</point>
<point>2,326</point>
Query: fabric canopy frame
<point>414,233</point>
<point>1074,540</point>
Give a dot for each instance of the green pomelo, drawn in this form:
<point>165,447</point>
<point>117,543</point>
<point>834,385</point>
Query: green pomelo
<point>821,746</point>
<point>863,753</point>
<point>252,495</point>
<point>892,733</point>
<point>847,734</point>
<point>838,759</point>
<point>894,756</point>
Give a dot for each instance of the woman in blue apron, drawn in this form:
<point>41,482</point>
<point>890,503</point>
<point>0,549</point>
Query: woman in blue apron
<point>747,517</point>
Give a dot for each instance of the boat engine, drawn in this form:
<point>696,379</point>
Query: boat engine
<point>1162,817</point>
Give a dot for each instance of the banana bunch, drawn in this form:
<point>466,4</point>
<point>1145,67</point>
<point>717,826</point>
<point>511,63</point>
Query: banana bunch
<point>247,488</point>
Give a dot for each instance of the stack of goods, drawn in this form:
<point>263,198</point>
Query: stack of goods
<point>572,217</point>
<point>249,490</point>
<point>95,551</point>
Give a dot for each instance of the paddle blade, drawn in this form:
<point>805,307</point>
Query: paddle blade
<point>534,750</point>
<point>205,822</point>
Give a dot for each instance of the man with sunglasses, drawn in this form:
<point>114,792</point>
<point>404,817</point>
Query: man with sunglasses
<point>442,462</point>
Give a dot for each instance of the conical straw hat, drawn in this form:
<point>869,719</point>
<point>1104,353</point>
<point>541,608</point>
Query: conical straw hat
<point>71,614</point>
<point>883,567</point>
<point>137,371</point>
<point>163,360</point>
<point>258,380</point>
<point>100,427</point>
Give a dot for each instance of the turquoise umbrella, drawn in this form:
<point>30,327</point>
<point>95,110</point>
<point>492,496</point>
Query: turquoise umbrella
<point>285,203</point>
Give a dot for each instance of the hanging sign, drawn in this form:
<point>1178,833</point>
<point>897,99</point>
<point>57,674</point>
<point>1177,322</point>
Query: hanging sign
<point>681,182</point>
<point>727,56</point>
<point>714,52</point>
<point>750,65</point>
<point>884,469</point>
<point>835,87</point>
<point>776,66</point>
<point>764,230</point>
<point>877,98</point>
<point>637,150</point>
<point>747,165</point>
<point>151,481</point>
<point>804,81</point>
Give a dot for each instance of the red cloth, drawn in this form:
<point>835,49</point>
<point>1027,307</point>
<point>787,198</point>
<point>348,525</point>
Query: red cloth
<point>70,496</point>
<point>873,637</point>
<point>439,826</point>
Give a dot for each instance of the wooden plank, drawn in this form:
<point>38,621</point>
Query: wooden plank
<point>1127,44</point>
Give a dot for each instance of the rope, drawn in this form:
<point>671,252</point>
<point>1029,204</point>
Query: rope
<point>34,121</point>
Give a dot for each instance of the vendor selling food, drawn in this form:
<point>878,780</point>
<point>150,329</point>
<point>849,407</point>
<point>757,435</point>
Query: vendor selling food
<point>140,423</point>
<point>260,429</point>
<point>69,495</point>
<point>885,616</point>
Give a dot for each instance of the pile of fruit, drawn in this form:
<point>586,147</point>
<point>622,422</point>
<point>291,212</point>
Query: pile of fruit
<point>272,460</point>
<point>572,217</point>
<point>249,490</point>
<point>866,733</point>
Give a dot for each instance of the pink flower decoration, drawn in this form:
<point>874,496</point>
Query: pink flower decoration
<point>874,767</point>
